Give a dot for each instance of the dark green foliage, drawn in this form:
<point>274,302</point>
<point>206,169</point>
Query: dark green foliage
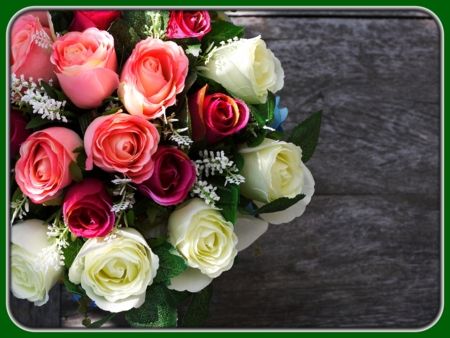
<point>306,135</point>
<point>198,308</point>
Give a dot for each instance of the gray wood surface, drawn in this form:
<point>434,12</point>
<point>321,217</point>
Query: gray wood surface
<point>366,253</point>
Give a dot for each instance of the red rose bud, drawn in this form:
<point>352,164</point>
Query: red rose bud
<point>87,209</point>
<point>172,179</point>
<point>216,115</point>
<point>17,131</point>
<point>185,24</point>
<point>99,19</point>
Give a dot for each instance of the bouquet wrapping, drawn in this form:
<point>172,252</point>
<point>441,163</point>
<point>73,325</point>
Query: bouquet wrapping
<point>146,150</point>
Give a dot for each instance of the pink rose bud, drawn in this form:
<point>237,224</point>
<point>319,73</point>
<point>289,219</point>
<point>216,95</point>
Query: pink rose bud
<point>216,115</point>
<point>86,65</point>
<point>30,56</point>
<point>152,77</point>
<point>43,168</point>
<point>99,19</point>
<point>188,24</point>
<point>87,209</point>
<point>17,131</point>
<point>122,143</point>
<point>172,179</point>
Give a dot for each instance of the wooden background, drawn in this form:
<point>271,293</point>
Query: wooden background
<point>366,253</point>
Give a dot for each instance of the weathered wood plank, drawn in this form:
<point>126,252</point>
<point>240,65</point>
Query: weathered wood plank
<point>378,83</point>
<point>25,314</point>
<point>337,12</point>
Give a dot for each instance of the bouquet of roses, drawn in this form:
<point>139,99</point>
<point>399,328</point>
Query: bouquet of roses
<point>146,151</point>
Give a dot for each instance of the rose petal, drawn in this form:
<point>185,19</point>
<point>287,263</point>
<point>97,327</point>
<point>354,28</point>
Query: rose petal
<point>191,280</point>
<point>248,229</point>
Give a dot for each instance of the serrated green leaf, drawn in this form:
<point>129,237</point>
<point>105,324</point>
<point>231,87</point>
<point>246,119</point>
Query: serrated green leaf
<point>179,296</point>
<point>256,141</point>
<point>75,172</point>
<point>72,251</point>
<point>71,287</point>
<point>137,20</point>
<point>279,204</point>
<point>198,308</point>
<point>171,263</point>
<point>102,321</point>
<point>221,31</point>
<point>306,135</point>
<point>130,218</point>
<point>61,20</point>
<point>36,121</point>
<point>259,117</point>
<point>158,310</point>
<point>85,121</point>
<point>125,39</point>
<point>276,135</point>
<point>268,109</point>
<point>229,197</point>
<point>239,161</point>
<point>49,90</point>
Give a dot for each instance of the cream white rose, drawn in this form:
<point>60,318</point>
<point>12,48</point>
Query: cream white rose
<point>28,239</point>
<point>246,68</point>
<point>115,273</point>
<point>273,170</point>
<point>203,237</point>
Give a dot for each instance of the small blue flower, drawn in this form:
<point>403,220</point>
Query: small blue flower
<point>76,297</point>
<point>280,115</point>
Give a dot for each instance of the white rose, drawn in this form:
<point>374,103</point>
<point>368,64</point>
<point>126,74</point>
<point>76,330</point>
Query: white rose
<point>272,170</point>
<point>208,242</point>
<point>115,273</point>
<point>246,68</point>
<point>28,239</point>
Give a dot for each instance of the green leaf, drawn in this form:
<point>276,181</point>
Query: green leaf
<point>306,135</point>
<point>171,263</point>
<point>130,218</point>
<point>75,172</point>
<point>61,20</point>
<point>229,197</point>
<point>158,310</point>
<point>54,201</point>
<point>268,109</point>
<point>154,242</point>
<point>198,308</point>
<point>72,251</point>
<point>238,159</point>
<point>279,204</point>
<point>37,121</point>
<point>49,90</point>
<point>125,39</point>
<point>256,141</point>
<point>137,20</point>
<point>71,287</point>
<point>193,50</point>
<point>179,296</point>
<point>102,321</point>
<point>84,121</point>
<point>112,111</point>
<point>276,135</point>
<point>18,195</point>
<point>81,160</point>
<point>221,31</point>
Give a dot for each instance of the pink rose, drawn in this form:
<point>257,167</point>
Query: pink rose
<point>87,209</point>
<point>216,115</point>
<point>122,143</point>
<point>87,19</point>
<point>187,24</point>
<point>43,168</point>
<point>152,76</point>
<point>27,57</point>
<point>17,131</point>
<point>172,179</point>
<point>86,66</point>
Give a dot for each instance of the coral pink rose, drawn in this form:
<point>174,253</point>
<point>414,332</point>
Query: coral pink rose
<point>216,115</point>
<point>152,76</point>
<point>187,24</point>
<point>122,143</point>
<point>86,66</point>
<point>27,57</point>
<point>87,19</point>
<point>43,168</point>
<point>87,209</point>
<point>17,131</point>
<point>172,179</point>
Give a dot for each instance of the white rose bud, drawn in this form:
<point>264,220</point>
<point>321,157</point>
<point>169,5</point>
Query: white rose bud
<point>273,170</point>
<point>247,69</point>
<point>28,239</point>
<point>115,273</point>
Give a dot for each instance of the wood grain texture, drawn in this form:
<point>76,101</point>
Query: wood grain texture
<point>366,253</point>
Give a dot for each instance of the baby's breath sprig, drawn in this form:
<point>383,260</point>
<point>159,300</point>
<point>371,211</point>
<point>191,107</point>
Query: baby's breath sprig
<point>53,255</point>
<point>218,162</point>
<point>42,39</point>
<point>171,134</point>
<point>36,96</point>
<point>21,206</point>
<point>205,191</point>
<point>126,190</point>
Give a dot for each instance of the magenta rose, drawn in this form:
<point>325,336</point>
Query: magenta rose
<point>27,57</point>
<point>18,133</point>
<point>86,19</point>
<point>86,65</point>
<point>43,168</point>
<point>87,209</point>
<point>188,24</point>
<point>122,143</point>
<point>172,179</point>
<point>152,77</point>
<point>216,115</point>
